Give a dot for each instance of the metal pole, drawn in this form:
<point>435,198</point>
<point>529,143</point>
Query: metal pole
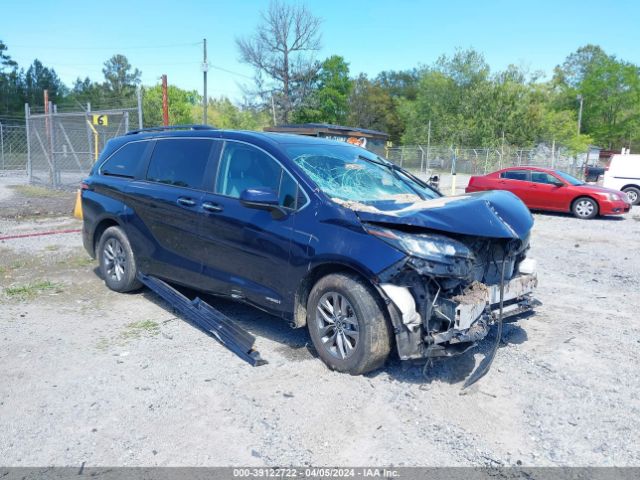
<point>273,110</point>
<point>126,121</point>
<point>428,144</point>
<point>2,145</point>
<point>139,95</point>
<point>165,102</point>
<point>553,153</point>
<point>205,68</point>
<point>26,121</point>
<point>453,172</point>
<point>581,99</point>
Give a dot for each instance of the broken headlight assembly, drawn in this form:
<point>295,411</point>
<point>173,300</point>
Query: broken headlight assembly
<point>430,254</point>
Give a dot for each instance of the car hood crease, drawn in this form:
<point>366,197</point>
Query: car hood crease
<point>494,214</point>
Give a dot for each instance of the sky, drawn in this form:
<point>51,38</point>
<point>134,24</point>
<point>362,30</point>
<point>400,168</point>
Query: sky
<point>158,36</point>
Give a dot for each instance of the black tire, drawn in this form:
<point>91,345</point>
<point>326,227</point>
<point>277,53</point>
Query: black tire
<point>585,208</point>
<point>371,348</point>
<point>634,194</point>
<point>117,263</point>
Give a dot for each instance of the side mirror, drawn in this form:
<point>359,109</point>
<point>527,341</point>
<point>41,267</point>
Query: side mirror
<point>262,198</point>
<point>558,184</point>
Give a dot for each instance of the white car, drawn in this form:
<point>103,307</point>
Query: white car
<point>624,174</point>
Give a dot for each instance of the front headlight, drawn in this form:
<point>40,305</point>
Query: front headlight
<point>437,248</point>
<point>614,197</point>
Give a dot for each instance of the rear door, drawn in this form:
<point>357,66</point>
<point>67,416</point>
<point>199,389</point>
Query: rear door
<point>167,209</point>
<point>247,250</point>
<point>545,195</point>
<point>518,182</point>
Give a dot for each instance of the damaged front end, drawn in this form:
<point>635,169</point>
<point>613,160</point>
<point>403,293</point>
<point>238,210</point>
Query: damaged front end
<point>451,287</point>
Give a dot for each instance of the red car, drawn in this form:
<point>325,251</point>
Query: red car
<point>553,190</point>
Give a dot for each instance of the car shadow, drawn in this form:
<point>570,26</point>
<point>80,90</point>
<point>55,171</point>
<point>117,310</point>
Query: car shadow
<point>457,369</point>
<point>606,218</point>
<point>297,346</point>
<point>296,342</point>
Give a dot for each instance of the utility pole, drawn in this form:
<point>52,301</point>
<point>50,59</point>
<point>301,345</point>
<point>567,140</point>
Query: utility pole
<point>165,102</point>
<point>139,96</point>
<point>428,144</point>
<point>580,98</point>
<point>273,111</point>
<point>205,69</point>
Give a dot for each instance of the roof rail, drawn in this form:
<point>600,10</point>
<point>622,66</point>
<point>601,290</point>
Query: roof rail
<point>172,127</point>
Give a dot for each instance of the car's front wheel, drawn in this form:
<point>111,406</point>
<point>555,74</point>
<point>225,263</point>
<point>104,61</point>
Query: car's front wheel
<point>633,194</point>
<point>585,208</point>
<point>117,263</point>
<point>347,324</point>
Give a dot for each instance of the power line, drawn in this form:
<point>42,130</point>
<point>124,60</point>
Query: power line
<point>137,47</point>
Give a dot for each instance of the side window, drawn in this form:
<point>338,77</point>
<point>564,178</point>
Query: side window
<point>515,175</point>
<point>542,177</point>
<point>243,166</point>
<point>179,162</point>
<point>125,161</point>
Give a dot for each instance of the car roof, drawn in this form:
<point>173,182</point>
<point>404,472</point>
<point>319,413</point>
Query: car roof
<point>269,137</point>
<point>528,167</point>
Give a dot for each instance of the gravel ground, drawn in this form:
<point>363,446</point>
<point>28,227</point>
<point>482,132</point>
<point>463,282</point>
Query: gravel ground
<point>89,375</point>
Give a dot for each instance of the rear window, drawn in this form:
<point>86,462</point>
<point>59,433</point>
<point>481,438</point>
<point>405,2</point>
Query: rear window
<point>179,162</point>
<point>515,175</point>
<point>125,161</point>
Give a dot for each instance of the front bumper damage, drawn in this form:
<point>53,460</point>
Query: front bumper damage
<point>477,309</point>
<point>469,316</point>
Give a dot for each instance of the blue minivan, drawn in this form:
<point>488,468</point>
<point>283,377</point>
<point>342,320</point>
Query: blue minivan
<point>323,234</point>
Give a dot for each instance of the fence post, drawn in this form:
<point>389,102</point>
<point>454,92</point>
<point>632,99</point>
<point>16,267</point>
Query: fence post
<point>2,144</point>
<point>26,123</point>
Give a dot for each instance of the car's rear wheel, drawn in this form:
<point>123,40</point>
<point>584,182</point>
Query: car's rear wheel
<point>117,263</point>
<point>347,324</point>
<point>633,194</point>
<point>585,208</point>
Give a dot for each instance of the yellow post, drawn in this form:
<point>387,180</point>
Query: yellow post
<point>95,141</point>
<point>77,209</point>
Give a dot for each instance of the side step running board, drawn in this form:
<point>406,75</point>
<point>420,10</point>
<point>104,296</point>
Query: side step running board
<point>208,319</point>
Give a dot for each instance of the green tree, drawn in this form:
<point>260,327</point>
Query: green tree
<point>121,79</point>
<point>329,100</point>
<point>11,85</point>
<point>222,113</point>
<point>372,106</point>
<point>610,89</point>
<point>181,103</point>
<point>39,78</point>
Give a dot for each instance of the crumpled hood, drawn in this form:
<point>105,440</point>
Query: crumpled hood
<point>493,214</point>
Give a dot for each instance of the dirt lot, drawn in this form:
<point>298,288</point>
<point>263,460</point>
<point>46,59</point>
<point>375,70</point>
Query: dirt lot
<point>88,375</point>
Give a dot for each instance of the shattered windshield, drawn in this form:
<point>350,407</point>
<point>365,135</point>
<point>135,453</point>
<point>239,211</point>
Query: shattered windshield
<point>349,173</point>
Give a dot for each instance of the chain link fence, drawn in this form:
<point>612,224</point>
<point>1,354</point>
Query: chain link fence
<point>479,161</point>
<point>62,147</point>
<point>13,148</point>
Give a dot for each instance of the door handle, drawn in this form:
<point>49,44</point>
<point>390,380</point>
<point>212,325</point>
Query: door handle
<point>212,207</point>
<point>187,202</point>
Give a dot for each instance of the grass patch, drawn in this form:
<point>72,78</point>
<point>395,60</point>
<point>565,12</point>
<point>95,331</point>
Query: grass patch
<point>137,329</point>
<point>39,192</point>
<point>30,290</point>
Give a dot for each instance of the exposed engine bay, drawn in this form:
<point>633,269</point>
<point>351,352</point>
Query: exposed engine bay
<point>446,293</point>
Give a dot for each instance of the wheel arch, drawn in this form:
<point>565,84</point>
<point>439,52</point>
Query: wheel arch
<point>573,202</point>
<point>101,226</point>
<point>299,318</point>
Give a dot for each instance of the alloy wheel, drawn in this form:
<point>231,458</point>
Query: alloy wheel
<point>337,325</point>
<point>115,259</point>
